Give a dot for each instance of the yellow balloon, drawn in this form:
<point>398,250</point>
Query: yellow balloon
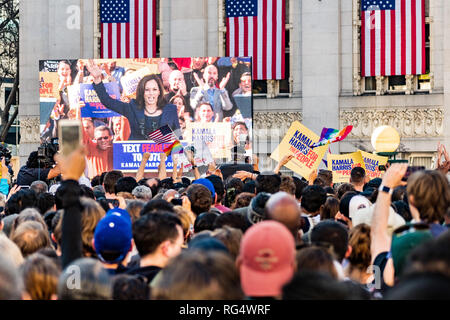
<point>385,139</point>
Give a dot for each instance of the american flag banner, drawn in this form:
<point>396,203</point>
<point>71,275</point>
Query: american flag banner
<point>256,28</point>
<point>163,135</point>
<point>392,37</point>
<point>128,28</point>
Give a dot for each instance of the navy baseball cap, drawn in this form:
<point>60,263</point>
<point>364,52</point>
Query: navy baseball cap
<point>208,184</point>
<point>113,234</point>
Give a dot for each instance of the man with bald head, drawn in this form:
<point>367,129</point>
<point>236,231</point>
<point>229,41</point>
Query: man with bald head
<point>284,208</point>
<point>208,91</point>
<point>177,87</point>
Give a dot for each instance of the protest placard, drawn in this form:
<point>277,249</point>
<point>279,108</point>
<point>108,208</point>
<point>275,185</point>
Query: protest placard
<point>48,85</point>
<point>217,136</point>
<point>342,164</point>
<point>128,155</point>
<point>130,81</point>
<point>297,142</point>
<point>372,163</point>
<point>92,107</point>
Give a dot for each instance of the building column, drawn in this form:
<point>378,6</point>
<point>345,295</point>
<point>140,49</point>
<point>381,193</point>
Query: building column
<point>321,65</point>
<point>49,29</point>
<point>446,71</point>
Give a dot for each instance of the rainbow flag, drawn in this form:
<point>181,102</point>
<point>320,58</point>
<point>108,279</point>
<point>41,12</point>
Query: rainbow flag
<point>330,135</point>
<point>175,147</point>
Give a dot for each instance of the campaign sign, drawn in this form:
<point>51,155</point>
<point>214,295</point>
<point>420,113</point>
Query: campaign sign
<point>342,164</point>
<point>297,142</point>
<point>130,82</point>
<point>372,163</point>
<point>93,108</point>
<point>216,136</point>
<point>48,85</point>
<point>128,155</point>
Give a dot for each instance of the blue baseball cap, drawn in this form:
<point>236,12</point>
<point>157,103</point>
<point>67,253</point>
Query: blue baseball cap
<point>113,233</point>
<point>208,184</point>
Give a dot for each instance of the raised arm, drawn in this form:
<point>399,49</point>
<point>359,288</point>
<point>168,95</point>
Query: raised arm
<point>380,239</point>
<point>72,168</point>
<point>162,174</point>
<point>225,100</point>
<point>283,162</point>
<point>141,170</point>
<point>174,168</point>
<point>190,157</point>
<point>113,104</point>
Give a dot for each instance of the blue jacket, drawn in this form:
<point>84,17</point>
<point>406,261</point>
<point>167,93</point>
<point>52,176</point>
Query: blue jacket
<point>135,116</point>
<point>4,187</point>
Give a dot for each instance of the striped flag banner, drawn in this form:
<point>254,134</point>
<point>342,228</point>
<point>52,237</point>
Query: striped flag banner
<point>256,28</point>
<point>128,28</point>
<point>163,135</point>
<point>330,135</point>
<point>175,147</point>
<point>392,37</point>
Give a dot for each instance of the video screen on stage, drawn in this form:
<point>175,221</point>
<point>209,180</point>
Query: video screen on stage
<point>205,101</point>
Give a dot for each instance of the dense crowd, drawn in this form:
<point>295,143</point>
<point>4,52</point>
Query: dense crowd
<point>243,235</point>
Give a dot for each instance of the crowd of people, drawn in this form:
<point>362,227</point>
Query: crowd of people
<point>243,235</point>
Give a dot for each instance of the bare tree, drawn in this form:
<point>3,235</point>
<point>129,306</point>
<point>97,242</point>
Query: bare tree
<point>9,61</point>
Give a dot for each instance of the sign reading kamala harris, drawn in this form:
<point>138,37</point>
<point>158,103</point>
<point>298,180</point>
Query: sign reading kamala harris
<point>91,106</point>
<point>342,164</point>
<point>372,162</point>
<point>297,142</point>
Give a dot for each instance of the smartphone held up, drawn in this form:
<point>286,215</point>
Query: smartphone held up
<point>70,136</point>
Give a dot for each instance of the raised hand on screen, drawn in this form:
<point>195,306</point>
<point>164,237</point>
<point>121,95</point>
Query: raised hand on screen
<point>94,70</point>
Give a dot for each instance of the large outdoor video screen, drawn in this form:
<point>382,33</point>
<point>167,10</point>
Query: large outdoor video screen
<point>206,101</point>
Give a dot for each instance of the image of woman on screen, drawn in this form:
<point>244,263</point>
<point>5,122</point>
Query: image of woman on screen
<point>147,112</point>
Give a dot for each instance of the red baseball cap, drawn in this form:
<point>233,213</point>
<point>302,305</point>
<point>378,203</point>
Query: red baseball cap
<point>267,256</point>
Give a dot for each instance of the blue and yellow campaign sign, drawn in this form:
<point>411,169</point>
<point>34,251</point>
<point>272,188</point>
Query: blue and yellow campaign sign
<point>297,142</point>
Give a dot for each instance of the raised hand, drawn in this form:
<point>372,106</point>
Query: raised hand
<point>312,177</point>
<point>72,167</point>
<point>190,156</point>
<point>446,156</point>
<point>200,82</point>
<point>13,190</point>
<point>243,175</point>
<point>146,156</point>
<point>162,157</point>
<point>393,176</point>
<point>182,91</point>
<point>94,70</point>
<point>224,81</point>
<point>286,159</point>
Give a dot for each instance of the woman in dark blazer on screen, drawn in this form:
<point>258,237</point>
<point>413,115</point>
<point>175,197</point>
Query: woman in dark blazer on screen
<point>147,112</point>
